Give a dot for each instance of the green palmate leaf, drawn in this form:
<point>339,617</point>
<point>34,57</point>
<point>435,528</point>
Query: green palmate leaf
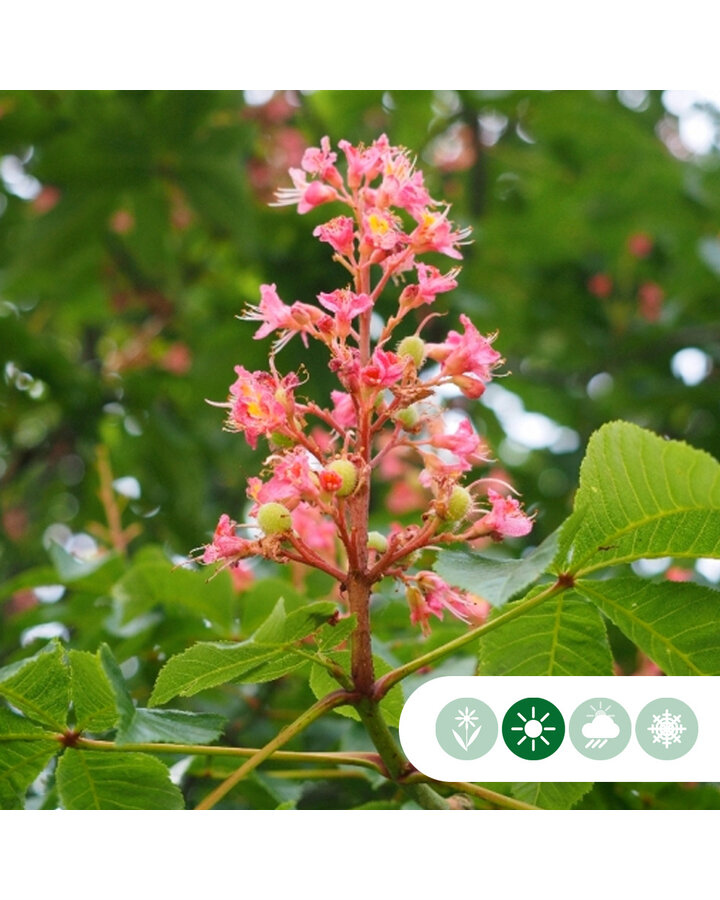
<point>39,686</point>
<point>92,695</point>
<point>171,726</point>
<point>496,580</point>
<point>138,726</point>
<point>335,633</point>
<point>25,750</point>
<point>640,496</point>
<point>148,584</point>
<point>91,779</point>
<point>267,656</point>
<point>551,795</point>
<point>562,636</point>
<point>208,665</point>
<point>322,683</point>
<point>676,625</point>
<point>282,628</point>
<point>123,701</point>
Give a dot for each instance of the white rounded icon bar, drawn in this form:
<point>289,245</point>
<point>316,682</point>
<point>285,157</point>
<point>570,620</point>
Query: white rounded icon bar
<point>660,729</point>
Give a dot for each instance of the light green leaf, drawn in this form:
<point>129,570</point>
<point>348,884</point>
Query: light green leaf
<point>271,630</point>
<point>330,635</point>
<point>208,665</point>
<point>92,695</point>
<point>282,628</point>
<point>551,795</point>
<point>322,683</point>
<point>676,625</point>
<point>640,497</point>
<point>39,686</point>
<point>172,726</point>
<point>148,584</point>
<point>562,636</point>
<point>495,580</point>
<point>123,701</point>
<point>25,750</point>
<point>92,779</point>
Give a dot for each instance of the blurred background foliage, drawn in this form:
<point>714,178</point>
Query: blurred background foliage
<point>135,227</point>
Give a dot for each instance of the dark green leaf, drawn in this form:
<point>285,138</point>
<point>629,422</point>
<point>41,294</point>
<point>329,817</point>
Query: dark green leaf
<point>208,665</point>
<point>640,497</point>
<point>676,625</point>
<point>92,695</point>
<point>170,726</point>
<point>495,580</point>
<point>25,750</point>
<point>123,701</point>
<point>551,795</point>
<point>562,636</point>
<point>91,779</point>
<point>39,686</point>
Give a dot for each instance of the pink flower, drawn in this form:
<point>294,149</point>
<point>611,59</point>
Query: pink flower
<point>307,195</point>
<point>468,358</point>
<point>226,544</point>
<point>344,411</point>
<point>292,480</point>
<point>260,403</point>
<point>339,233</point>
<point>321,161</point>
<point>505,519</point>
<point>300,318</point>
<point>365,162</point>
<point>380,229</point>
<point>433,596</point>
<point>347,306</point>
<point>315,529</point>
<point>430,283</point>
<point>384,369</point>
<point>435,233</point>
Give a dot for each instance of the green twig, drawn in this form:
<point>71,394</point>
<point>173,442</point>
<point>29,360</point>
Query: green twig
<point>361,758</point>
<point>337,698</point>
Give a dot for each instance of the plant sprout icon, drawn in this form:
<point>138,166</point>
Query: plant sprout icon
<point>533,729</point>
<point>468,719</point>
<point>601,729</point>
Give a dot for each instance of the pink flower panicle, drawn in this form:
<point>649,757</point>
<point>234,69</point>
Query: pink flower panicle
<point>386,414</point>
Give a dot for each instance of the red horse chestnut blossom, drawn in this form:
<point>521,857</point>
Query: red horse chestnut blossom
<point>313,499</point>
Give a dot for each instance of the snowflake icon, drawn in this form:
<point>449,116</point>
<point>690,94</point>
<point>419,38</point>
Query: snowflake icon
<point>667,729</point>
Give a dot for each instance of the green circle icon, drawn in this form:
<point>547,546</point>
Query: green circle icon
<point>600,728</point>
<point>466,728</point>
<point>666,728</point>
<point>533,728</point>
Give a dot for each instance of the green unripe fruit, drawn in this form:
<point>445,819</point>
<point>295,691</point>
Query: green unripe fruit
<point>414,347</point>
<point>408,418</point>
<point>459,503</point>
<point>274,518</point>
<point>377,541</point>
<point>348,473</point>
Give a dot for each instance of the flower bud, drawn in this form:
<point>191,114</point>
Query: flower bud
<point>377,541</point>
<point>274,518</point>
<point>348,473</point>
<point>414,347</point>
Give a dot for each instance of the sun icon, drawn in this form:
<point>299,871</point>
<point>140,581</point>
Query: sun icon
<point>533,728</point>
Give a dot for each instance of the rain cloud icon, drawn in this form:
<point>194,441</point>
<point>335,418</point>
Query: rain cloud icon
<point>600,730</point>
